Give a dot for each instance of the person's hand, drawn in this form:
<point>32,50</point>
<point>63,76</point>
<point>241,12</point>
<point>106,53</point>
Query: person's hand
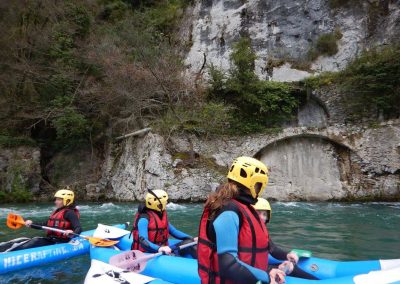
<point>196,239</point>
<point>28,223</point>
<point>287,267</point>
<point>68,232</point>
<point>165,250</point>
<point>277,276</point>
<point>292,257</point>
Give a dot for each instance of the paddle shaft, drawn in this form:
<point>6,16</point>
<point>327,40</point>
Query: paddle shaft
<point>187,245</point>
<point>55,230</point>
<point>147,257</point>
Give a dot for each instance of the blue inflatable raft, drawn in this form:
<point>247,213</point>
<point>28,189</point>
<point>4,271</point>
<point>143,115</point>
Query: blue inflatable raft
<point>22,259</point>
<point>183,270</point>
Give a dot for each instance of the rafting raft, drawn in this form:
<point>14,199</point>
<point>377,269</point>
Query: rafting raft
<point>23,259</point>
<point>179,270</point>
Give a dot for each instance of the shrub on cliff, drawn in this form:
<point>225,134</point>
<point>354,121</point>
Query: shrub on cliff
<point>257,104</point>
<point>326,45</point>
<point>370,84</point>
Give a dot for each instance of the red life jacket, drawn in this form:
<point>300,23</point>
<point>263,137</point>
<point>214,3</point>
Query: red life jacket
<point>157,229</point>
<point>252,244</point>
<point>57,220</point>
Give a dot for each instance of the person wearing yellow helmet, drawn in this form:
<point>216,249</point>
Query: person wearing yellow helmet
<point>65,216</point>
<point>151,227</point>
<point>233,242</point>
<point>289,259</point>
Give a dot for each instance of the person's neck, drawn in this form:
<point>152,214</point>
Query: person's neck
<point>245,197</point>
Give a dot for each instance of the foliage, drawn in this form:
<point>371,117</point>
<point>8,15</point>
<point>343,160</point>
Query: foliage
<point>321,80</point>
<point>203,119</point>
<point>370,83</point>
<point>257,104</point>
<point>70,125</point>
<point>334,4</point>
<point>15,196</point>
<point>19,192</point>
<point>7,140</point>
<point>79,67</point>
<point>326,45</point>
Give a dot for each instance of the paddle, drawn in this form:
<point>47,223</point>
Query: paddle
<point>136,261</point>
<point>15,221</point>
<point>302,253</point>
<point>286,268</point>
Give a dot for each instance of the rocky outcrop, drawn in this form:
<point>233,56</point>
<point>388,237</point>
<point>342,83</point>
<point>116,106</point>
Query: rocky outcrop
<point>20,169</point>
<point>286,31</point>
<point>74,168</point>
<point>145,163</point>
<point>334,163</point>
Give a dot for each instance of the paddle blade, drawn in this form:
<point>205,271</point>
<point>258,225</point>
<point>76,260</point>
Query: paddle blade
<point>101,242</point>
<point>133,260</point>
<point>14,221</point>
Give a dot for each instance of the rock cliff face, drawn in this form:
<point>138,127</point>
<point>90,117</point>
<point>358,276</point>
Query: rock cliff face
<point>20,169</point>
<point>334,163</point>
<point>287,31</point>
<point>319,157</point>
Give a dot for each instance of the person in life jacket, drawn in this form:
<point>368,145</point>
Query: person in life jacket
<point>151,227</point>
<point>65,216</point>
<point>233,241</point>
<point>290,259</point>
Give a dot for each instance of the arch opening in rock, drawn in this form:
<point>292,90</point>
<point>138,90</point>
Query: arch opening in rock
<point>308,167</point>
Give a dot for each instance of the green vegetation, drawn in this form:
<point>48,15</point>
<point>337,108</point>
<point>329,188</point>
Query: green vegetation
<point>236,103</point>
<point>326,45</point>
<point>74,68</point>
<point>256,105</point>
<point>334,4</point>
<point>19,191</point>
<point>370,84</point>
<point>7,140</point>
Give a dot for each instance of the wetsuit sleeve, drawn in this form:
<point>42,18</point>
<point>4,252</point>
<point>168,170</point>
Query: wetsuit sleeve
<point>226,227</point>
<point>276,251</point>
<point>71,217</point>
<point>143,225</point>
<point>176,233</point>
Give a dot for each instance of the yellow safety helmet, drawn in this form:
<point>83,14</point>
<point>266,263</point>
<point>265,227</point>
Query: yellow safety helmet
<point>251,173</point>
<point>263,205</point>
<point>156,199</point>
<point>67,196</point>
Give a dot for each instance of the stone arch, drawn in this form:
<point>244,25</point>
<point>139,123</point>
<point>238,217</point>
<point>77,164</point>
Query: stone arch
<point>313,113</point>
<point>310,167</point>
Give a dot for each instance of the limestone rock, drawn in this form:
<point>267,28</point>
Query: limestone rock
<point>20,169</point>
<point>287,30</point>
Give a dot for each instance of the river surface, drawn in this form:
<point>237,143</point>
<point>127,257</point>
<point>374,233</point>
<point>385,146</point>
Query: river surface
<point>342,231</point>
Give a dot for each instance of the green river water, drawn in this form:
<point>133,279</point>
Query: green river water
<point>343,231</point>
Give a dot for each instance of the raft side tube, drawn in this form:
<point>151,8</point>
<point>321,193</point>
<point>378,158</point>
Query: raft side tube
<point>22,259</point>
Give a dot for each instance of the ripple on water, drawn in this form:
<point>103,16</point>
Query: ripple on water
<point>175,206</point>
<point>108,205</point>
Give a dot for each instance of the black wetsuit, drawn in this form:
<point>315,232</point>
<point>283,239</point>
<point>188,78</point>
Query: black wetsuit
<point>70,216</point>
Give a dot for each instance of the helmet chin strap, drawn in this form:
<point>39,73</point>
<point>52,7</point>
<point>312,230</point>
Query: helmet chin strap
<point>155,195</point>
